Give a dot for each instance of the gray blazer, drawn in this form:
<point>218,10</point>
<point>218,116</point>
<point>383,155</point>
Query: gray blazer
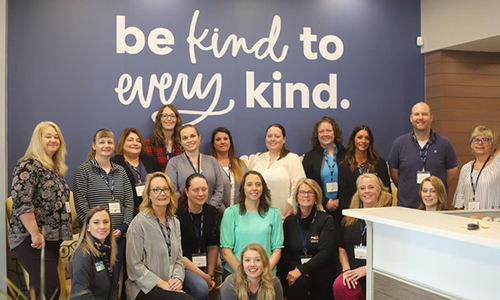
<point>147,254</point>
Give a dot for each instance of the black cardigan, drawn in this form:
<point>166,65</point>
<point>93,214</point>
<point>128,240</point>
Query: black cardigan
<point>313,163</point>
<point>150,164</point>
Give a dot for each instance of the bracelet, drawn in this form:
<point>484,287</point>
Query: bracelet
<point>212,276</point>
<point>346,270</point>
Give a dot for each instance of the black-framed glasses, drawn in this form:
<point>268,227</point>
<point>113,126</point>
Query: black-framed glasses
<point>157,191</point>
<point>171,116</point>
<point>304,193</point>
<point>484,140</point>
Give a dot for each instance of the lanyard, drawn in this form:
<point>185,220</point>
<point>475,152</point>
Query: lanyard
<point>137,170</point>
<point>423,151</point>
<point>167,236</point>
<point>61,180</point>
<point>302,238</point>
<point>228,173</point>
<point>363,168</point>
<point>474,186</point>
<point>192,166</point>
<point>331,167</point>
<point>105,178</point>
<point>171,153</point>
<point>200,234</point>
<point>363,231</point>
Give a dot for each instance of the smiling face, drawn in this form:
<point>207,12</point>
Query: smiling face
<point>253,188</point>
<point>50,141</point>
<point>197,193</point>
<point>274,139</point>
<point>326,134</point>
<point>252,264</point>
<point>306,197</point>
<point>104,147</point>
<point>362,140</point>
<point>480,147</point>
<point>168,119</point>
<point>99,225</point>
<point>159,193</point>
<point>429,196</point>
<point>421,117</point>
<point>222,142</point>
<point>368,192</point>
<point>190,140</point>
<point>132,145</point>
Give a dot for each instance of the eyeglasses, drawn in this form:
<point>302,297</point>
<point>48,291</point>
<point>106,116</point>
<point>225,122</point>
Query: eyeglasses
<point>168,116</point>
<point>484,140</point>
<point>304,193</point>
<point>158,191</point>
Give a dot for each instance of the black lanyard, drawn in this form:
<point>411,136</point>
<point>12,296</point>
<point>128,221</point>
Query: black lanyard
<point>105,178</point>
<point>423,151</point>
<point>200,234</point>
<point>302,238</point>
<point>192,166</point>
<point>167,236</point>
<point>363,231</point>
<point>474,186</point>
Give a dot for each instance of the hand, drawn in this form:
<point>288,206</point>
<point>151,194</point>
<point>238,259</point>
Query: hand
<point>117,234</point>
<point>332,204</point>
<point>293,275</point>
<point>352,277</point>
<point>210,282</point>
<point>162,284</point>
<point>175,284</point>
<point>37,240</point>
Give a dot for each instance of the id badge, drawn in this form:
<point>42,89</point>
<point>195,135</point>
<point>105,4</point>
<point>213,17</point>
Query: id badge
<point>139,188</point>
<point>473,205</point>
<point>305,258</point>
<point>360,252</point>
<point>314,239</point>
<point>200,260</point>
<point>68,207</point>
<point>421,175</point>
<point>114,208</point>
<point>99,266</point>
<point>332,187</point>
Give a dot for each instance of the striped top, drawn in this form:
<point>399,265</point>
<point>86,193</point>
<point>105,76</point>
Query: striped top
<point>92,187</point>
<point>487,190</point>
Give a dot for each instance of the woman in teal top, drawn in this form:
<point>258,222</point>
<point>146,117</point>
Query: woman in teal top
<point>253,220</point>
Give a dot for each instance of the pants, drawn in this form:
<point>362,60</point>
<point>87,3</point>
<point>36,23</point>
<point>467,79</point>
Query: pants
<point>195,286</point>
<point>159,294</point>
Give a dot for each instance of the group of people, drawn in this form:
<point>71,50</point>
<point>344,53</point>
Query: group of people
<point>164,212</point>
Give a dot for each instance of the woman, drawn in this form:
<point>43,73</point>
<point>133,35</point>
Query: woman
<point>432,194</point>
<point>479,182</point>
<point>321,163</point>
<point>92,266</point>
<point>351,284</point>
<point>252,220</point>
<point>281,169</point>
<point>192,161</point>
<point>154,244</point>
<point>200,232</point>
<point>307,266</point>
<point>254,279</point>
<point>222,148</point>
<point>98,181</point>
<point>164,143</point>
<point>40,210</point>
<point>361,157</point>
<point>131,154</point>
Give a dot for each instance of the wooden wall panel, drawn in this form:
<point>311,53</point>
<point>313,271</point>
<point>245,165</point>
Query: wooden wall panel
<point>463,91</point>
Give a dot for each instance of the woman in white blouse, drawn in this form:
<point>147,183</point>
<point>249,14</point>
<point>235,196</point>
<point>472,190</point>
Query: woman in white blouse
<point>479,183</point>
<point>281,169</point>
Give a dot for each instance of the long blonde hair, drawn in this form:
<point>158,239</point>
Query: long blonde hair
<point>384,197</point>
<point>266,289</point>
<point>146,205</point>
<point>85,239</point>
<point>35,149</point>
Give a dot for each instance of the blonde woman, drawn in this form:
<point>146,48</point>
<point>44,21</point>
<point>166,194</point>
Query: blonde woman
<point>40,210</point>
<point>254,278</point>
<point>92,266</point>
<point>432,194</point>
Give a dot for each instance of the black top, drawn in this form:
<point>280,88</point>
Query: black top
<point>321,266</point>
<point>151,166</point>
<point>211,230</point>
<point>313,163</point>
<point>350,236</point>
<point>347,179</point>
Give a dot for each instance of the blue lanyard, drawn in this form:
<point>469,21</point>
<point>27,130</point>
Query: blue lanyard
<point>63,182</point>
<point>302,238</point>
<point>192,166</point>
<point>474,186</point>
<point>423,151</point>
<point>200,234</point>
<point>363,231</point>
<point>171,153</point>
<point>137,170</point>
<point>228,171</point>
<point>105,178</point>
<point>331,167</point>
<point>166,237</point>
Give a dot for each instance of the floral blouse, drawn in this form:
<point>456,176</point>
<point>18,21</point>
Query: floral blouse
<point>41,191</point>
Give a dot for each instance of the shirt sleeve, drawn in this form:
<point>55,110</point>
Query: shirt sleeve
<point>80,190</point>
<point>81,274</point>
<point>128,201</point>
<point>24,183</point>
<point>228,291</point>
<point>218,193</point>
<point>178,271</point>
<point>277,235</point>
<point>458,199</point>
<point>296,173</point>
<point>451,157</point>
<point>173,173</point>
<point>394,155</point>
<point>227,238</point>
